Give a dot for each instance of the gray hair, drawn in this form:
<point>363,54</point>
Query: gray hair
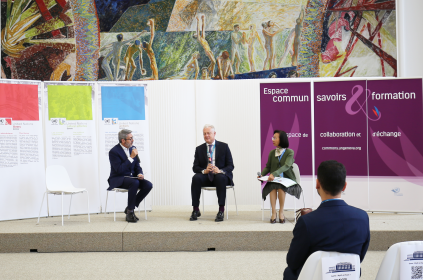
<point>123,133</point>
<point>209,125</point>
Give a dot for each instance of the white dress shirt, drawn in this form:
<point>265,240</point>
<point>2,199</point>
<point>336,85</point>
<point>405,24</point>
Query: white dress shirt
<point>126,150</point>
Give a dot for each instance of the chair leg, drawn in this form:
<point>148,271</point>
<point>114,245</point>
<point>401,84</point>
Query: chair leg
<point>202,198</point>
<point>236,206</point>
<point>262,210</point>
<point>114,209</point>
<point>48,207</point>
<point>70,203</point>
<point>39,213</point>
<point>145,210</point>
<point>227,210</point>
<point>295,209</point>
<point>62,208</point>
<point>88,205</point>
<point>105,208</point>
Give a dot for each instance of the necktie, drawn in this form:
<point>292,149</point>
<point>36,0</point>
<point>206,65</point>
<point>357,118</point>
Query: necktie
<point>211,175</point>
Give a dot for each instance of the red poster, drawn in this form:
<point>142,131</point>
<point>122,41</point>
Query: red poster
<point>19,102</point>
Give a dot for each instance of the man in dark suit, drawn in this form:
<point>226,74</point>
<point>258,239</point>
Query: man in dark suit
<point>124,165</point>
<point>213,166</point>
<point>333,226</point>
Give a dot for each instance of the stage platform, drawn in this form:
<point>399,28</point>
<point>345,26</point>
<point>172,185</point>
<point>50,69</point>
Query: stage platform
<point>168,229</point>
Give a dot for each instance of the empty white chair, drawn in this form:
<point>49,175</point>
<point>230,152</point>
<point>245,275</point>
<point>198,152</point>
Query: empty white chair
<point>119,190</point>
<point>296,170</point>
<point>59,183</point>
<point>390,267</point>
<point>213,189</point>
<point>312,269</point>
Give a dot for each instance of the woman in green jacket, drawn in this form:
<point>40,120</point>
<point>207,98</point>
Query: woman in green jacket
<point>279,164</point>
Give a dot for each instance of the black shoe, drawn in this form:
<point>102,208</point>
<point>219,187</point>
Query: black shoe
<point>195,215</point>
<point>126,212</point>
<point>219,217</point>
<point>130,218</point>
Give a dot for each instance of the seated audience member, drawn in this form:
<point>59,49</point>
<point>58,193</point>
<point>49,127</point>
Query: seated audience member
<point>333,226</point>
<point>212,167</point>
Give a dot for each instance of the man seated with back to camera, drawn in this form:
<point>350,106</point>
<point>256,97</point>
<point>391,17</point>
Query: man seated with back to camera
<point>212,166</point>
<point>126,173</point>
<point>333,226</point>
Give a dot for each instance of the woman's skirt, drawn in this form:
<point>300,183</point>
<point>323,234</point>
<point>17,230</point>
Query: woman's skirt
<point>294,190</point>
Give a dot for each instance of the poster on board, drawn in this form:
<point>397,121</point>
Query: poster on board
<point>70,133</point>
<point>395,112</point>
<point>287,107</point>
<point>21,149</point>
<point>340,133</point>
<point>120,107</point>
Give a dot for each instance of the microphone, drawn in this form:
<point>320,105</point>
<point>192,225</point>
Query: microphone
<point>137,157</point>
<point>259,174</point>
<point>209,157</point>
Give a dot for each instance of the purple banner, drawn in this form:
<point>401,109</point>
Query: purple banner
<point>287,107</point>
<point>340,124</point>
<point>395,128</point>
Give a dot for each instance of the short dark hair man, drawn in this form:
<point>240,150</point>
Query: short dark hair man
<point>212,166</point>
<point>125,163</point>
<point>333,226</point>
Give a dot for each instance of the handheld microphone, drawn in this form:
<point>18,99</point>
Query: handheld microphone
<point>259,174</point>
<point>209,157</point>
<point>137,157</point>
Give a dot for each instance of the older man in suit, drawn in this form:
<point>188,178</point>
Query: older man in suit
<point>333,226</point>
<point>212,166</point>
<point>126,173</point>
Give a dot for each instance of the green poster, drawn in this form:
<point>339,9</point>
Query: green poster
<point>70,102</point>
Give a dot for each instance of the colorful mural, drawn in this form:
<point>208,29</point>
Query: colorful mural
<point>117,40</point>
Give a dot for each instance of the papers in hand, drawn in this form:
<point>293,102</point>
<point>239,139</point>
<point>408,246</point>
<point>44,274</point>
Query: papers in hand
<point>283,181</point>
<point>130,177</point>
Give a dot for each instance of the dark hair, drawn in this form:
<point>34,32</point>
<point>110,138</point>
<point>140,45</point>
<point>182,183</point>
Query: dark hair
<point>225,54</point>
<point>331,175</point>
<point>273,74</point>
<point>283,138</point>
<point>144,44</point>
<point>236,25</point>
<point>119,37</point>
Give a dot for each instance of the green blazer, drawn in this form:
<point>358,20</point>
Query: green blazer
<point>285,166</point>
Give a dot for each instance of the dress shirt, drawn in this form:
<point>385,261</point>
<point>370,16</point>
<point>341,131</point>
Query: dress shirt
<point>126,150</point>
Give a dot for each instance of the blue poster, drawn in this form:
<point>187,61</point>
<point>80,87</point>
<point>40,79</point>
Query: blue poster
<point>123,103</point>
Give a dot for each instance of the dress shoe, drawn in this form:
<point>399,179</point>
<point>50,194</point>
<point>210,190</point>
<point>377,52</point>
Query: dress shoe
<point>126,212</point>
<point>195,215</point>
<point>282,221</point>
<point>130,218</point>
<point>273,221</point>
<point>219,217</point>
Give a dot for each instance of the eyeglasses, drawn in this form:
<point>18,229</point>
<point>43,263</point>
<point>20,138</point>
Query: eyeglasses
<point>273,138</point>
<point>130,139</point>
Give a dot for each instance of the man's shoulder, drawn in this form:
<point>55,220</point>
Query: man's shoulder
<point>201,146</point>
<point>345,208</point>
<point>115,148</point>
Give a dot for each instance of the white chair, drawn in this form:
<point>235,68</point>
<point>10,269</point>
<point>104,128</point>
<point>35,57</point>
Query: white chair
<point>296,170</point>
<point>119,190</point>
<point>213,189</point>
<point>390,267</point>
<point>59,183</point>
<point>312,269</point>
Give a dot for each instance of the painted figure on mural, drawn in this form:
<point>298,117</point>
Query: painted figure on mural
<point>130,66</point>
<point>270,29</point>
<point>148,48</point>
<point>250,40</point>
<point>341,21</point>
<point>236,40</point>
<point>297,38</point>
<point>191,69</point>
<point>201,38</point>
<point>114,56</point>
<point>204,74</point>
<point>224,65</point>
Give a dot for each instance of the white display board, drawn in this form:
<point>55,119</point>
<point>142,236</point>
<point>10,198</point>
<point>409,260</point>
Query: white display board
<point>71,141</point>
<point>21,150</point>
<point>411,266</point>
<point>122,106</point>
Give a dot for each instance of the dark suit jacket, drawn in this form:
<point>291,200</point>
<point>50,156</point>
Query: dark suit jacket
<point>333,226</point>
<point>223,159</point>
<point>120,166</point>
